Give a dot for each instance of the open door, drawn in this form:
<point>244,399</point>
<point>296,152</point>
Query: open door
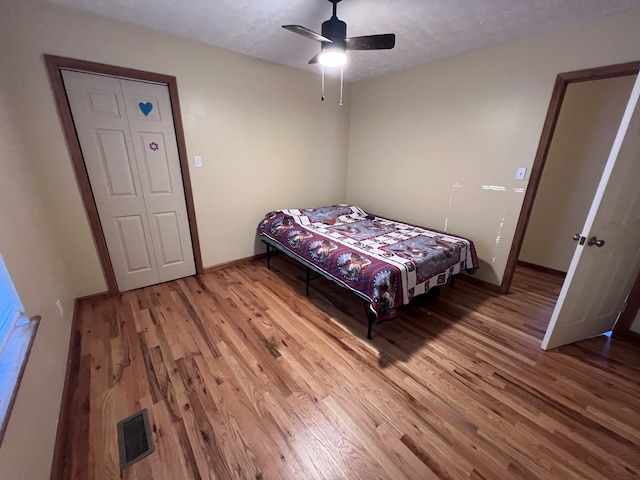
<point>607,258</point>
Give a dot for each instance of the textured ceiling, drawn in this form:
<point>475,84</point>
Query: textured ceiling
<point>426,30</point>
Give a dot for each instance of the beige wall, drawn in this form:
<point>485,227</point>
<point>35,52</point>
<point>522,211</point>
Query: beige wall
<point>423,144</point>
<point>439,144</point>
<point>259,128</point>
<point>40,277</point>
<point>587,125</point>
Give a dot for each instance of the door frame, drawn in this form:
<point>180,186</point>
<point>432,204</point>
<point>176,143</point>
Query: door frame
<point>54,66</point>
<point>563,80</point>
<point>628,315</point>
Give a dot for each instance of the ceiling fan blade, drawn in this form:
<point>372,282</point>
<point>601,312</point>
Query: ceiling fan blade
<point>315,59</point>
<point>384,41</point>
<point>305,32</point>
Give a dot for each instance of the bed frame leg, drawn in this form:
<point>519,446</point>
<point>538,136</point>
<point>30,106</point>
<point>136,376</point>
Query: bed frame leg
<point>308,279</point>
<point>268,256</point>
<point>371,318</point>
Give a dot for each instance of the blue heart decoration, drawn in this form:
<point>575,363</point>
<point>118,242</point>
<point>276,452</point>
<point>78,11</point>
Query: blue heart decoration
<point>145,108</point>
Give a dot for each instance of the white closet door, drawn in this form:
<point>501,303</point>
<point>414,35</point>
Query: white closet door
<point>102,126</point>
<point>156,150</point>
<point>127,181</point>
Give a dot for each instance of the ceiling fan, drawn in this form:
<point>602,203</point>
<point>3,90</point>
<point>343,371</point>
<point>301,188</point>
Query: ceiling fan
<point>335,42</point>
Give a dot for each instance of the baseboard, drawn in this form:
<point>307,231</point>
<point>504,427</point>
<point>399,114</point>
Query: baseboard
<point>234,263</point>
<point>478,283</point>
<point>93,297</point>
<point>633,336</point>
<point>628,336</point>
<point>540,268</point>
<point>70,382</point>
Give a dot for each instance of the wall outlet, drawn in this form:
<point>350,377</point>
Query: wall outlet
<point>60,307</point>
<point>521,173</point>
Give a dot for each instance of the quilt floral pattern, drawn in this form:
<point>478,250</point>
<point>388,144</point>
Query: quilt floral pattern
<point>385,261</point>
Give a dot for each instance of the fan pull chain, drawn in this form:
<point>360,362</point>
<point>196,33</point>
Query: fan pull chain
<point>322,98</point>
<point>341,83</point>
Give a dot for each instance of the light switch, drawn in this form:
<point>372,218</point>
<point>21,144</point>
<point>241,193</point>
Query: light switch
<point>198,161</point>
<point>521,173</point>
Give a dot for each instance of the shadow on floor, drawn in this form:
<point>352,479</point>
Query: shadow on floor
<point>423,320</point>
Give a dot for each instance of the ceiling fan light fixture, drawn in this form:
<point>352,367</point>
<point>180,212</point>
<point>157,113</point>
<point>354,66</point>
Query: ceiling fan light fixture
<point>335,43</point>
<point>333,57</point>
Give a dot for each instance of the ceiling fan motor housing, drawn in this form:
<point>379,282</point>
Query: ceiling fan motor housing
<point>334,41</point>
<point>336,30</point>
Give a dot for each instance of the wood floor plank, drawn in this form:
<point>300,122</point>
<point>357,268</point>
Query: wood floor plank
<point>204,442</point>
<point>246,377</point>
<point>78,453</point>
<point>237,453</point>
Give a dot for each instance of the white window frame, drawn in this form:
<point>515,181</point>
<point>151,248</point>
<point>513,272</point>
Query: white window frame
<point>17,332</point>
<point>11,308</point>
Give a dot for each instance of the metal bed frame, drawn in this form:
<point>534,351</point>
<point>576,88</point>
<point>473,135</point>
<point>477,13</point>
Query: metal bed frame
<point>371,315</point>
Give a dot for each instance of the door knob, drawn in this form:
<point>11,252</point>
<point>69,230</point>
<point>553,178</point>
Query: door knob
<point>576,236</point>
<point>594,241</point>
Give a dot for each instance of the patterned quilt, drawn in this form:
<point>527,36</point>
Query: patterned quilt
<point>384,261</point>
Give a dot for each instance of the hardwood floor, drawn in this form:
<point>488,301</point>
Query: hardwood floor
<point>245,377</point>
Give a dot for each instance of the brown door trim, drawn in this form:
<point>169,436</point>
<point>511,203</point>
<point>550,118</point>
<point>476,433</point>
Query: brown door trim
<point>54,65</point>
<point>628,315</point>
<point>563,80</point>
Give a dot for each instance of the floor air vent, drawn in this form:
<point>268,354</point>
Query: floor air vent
<point>134,439</point>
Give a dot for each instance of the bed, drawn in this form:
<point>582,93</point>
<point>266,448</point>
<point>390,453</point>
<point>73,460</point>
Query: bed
<point>385,262</point>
